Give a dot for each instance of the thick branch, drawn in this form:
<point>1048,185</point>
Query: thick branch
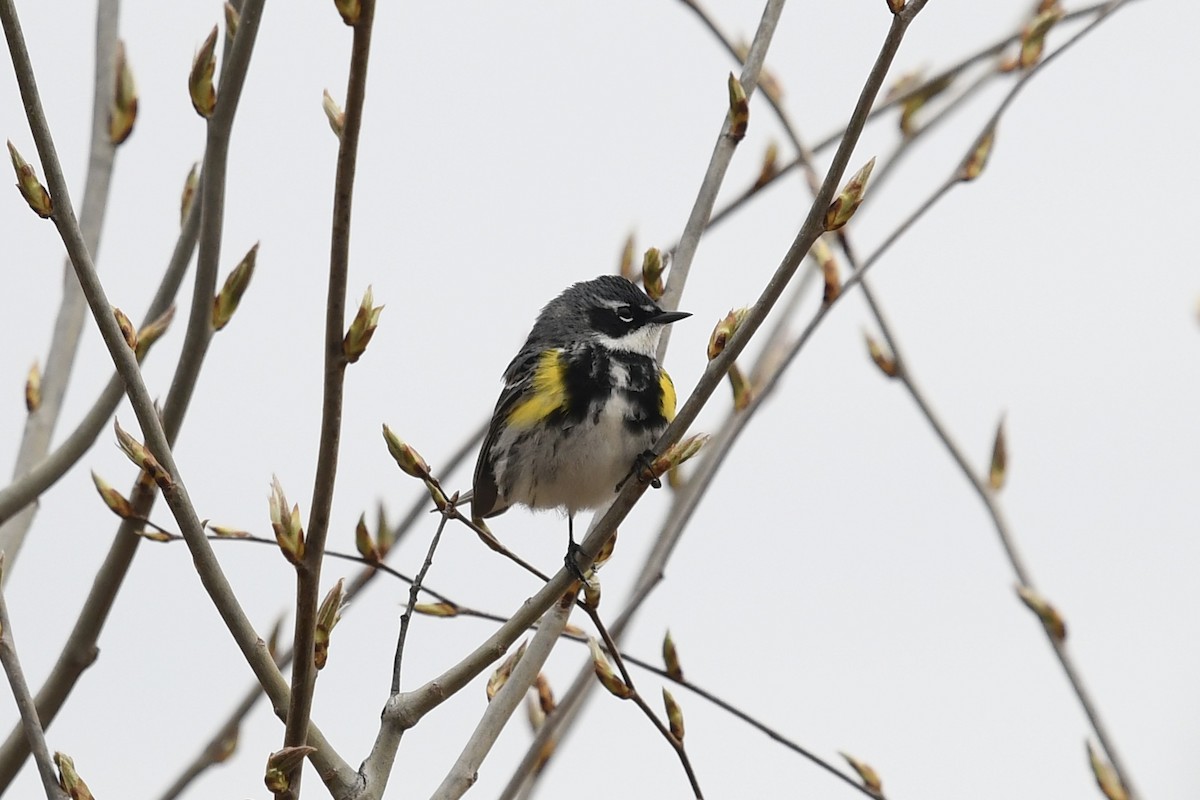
<point>465,770</point>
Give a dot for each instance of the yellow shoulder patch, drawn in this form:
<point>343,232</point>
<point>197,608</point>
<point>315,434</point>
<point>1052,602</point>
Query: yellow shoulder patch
<point>666,404</point>
<point>547,392</point>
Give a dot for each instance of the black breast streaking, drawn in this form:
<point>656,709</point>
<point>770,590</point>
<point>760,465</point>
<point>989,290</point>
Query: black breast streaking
<point>592,374</point>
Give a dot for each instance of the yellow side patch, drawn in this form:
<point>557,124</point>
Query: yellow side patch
<point>666,404</point>
<point>547,394</point>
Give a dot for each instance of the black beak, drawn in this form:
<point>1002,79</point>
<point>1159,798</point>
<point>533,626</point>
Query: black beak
<point>667,317</point>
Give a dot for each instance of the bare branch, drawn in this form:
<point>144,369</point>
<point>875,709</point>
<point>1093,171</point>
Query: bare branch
<point>413,592</point>
<point>722,154</point>
<point>980,486</point>
<point>30,723</point>
<point>405,710</point>
<point>416,512</point>
<point>949,73</point>
<point>208,569</point>
<point>904,374</point>
<point>308,576</point>
<point>216,749</point>
<point>809,231</point>
<point>80,650</point>
<point>462,775</point>
<point>39,477</point>
<point>39,426</point>
<point>674,741</point>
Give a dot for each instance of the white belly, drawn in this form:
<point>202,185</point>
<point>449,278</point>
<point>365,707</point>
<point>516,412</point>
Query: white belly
<point>579,467</point>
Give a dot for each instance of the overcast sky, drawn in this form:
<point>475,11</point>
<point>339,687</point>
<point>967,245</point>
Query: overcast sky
<point>841,582</point>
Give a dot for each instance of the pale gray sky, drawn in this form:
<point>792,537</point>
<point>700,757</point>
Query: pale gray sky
<point>841,582</point>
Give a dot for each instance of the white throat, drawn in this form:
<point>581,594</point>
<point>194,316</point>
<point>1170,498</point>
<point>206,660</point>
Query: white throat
<point>643,341</point>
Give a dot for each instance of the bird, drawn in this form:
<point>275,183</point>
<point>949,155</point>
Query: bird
<point>583,402</point>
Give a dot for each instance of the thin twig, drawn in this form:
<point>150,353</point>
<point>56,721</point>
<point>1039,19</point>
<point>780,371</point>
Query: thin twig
<point>903,372</point>
<point>699,691</point>
<point>887,166</point>
<point>211,200</point>
<point>403,711</point>
<point>772,363</point>
<point>217,749</point>
<point>308,574</point>
<point>249,538</point>
<point>725,705</point>
<point>980,486</point>
<point>496,545</point>
<point>809,231</point>
<point>763,390</point>
<point>954,70</point>
<point>30,723</point>
<point>949,73</point>
<point>413,592</point>
<point>729,708</point>
<point>610,645</point>
<point>80,650</point>
<point>710,22</point>
<point>485,535</point>
<point>68,324</point>
<point>986,496</point>
<point>879,176</point>
<point>758,725</point>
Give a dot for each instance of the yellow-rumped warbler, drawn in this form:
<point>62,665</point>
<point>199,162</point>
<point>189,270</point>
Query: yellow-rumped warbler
<point>582,401</point>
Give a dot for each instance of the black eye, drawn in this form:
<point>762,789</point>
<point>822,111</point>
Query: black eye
<point>624,313</point>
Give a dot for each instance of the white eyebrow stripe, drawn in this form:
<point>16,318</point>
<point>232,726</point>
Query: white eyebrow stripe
<point>615,304</point>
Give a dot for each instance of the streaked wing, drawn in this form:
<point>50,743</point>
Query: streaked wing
<point>486,495</point>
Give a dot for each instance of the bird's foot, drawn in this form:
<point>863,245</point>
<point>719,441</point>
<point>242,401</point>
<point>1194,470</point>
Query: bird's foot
<point>642,465</point>
<point>571,560</point>
<point>645,464</point>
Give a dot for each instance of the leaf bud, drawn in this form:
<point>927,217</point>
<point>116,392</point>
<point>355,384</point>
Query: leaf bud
<point>849,199</point>
<point>200,79</point>
<point>33,388</point>
<point>227,300</point>
<point>28,184</point>
<point>362,328</point>
<point>286,524</point>
<point>122,110</point>
<point>739,109</point>
<point>408,459</point>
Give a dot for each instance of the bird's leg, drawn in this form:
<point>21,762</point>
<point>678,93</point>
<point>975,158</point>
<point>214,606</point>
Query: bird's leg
<point>571,560</point>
